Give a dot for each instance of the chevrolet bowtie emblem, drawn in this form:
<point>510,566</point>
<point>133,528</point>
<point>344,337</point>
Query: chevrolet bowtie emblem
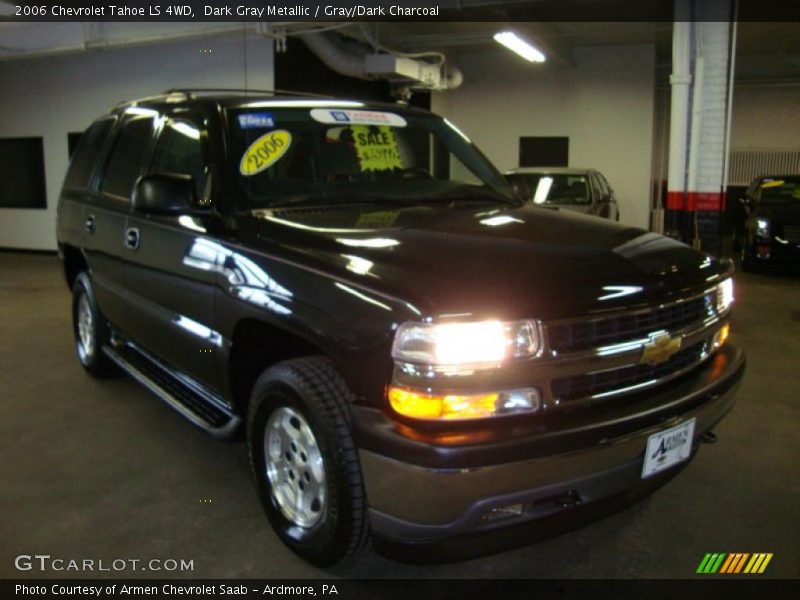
<point>659,347</point>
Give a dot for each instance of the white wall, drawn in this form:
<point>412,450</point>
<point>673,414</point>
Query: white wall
<point>766,116</point>
<point>603,103</point>
<point>52,96</point>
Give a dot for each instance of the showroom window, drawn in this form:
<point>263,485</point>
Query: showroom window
<point>543,151</point>
<point>180,150</point>
<point>84,154</point>
<point>127,157</point>
<point>22,173</point>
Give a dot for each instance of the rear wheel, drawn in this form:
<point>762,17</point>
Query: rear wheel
<point>91,330</point>
<point>304,460</point>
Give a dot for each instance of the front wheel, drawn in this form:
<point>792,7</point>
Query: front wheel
<point>747,261</point>
<point>304,460</point>
<point>90,329</point>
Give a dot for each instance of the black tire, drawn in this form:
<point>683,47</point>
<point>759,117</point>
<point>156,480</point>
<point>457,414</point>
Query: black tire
<point>90,355</point>
<point>312,390</point>
<point>746,258</point>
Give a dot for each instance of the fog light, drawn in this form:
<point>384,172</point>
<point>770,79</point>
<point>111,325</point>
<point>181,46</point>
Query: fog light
<point>424,405</point>
<point>721,336</point>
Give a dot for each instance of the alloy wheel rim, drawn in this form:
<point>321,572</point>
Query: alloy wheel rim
<point>85,327</point>
<point>294,467</point>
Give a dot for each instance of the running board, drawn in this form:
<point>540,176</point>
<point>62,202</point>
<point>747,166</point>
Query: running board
<point>199,406</point>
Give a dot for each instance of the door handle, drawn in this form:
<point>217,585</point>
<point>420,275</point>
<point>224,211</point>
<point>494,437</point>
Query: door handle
<point>89,224</point>
<point>132,238</point>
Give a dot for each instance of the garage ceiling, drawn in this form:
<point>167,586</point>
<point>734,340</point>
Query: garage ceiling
<point>765,51</point>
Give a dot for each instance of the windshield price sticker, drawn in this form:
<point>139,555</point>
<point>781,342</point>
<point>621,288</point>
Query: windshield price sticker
<point>264,152</point>
<point>262,120</point>
<point>376,147</point>
<point>332,116</point>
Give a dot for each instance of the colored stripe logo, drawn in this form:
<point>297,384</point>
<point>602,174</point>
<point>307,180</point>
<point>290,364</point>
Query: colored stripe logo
<point>734,562</point>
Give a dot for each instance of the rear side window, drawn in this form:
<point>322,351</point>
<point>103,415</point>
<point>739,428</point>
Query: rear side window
<point>127,156</point>
<point>87,153</point>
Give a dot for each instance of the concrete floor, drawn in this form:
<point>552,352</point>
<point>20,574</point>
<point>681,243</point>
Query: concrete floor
<point>102,469</point>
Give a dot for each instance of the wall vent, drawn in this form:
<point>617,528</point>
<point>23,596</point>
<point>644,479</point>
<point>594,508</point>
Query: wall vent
<point>749,163</point>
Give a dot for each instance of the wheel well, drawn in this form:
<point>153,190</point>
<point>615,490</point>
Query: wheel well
<point>74,264</point>
<point>255,347</point>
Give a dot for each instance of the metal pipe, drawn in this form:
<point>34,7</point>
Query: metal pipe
<point>679,110</point>
<point>729,107</point>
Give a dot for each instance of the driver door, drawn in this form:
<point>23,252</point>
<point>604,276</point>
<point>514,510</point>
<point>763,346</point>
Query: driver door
<point>171,294</point>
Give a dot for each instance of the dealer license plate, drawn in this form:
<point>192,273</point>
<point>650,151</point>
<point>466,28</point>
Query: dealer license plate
<point>668,448</point>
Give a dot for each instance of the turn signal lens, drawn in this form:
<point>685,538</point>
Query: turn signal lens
<point>421,405</point>
<point>721,336</point>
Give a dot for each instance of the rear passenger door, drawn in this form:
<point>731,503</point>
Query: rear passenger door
<point>169,282</point>
<point>106,210</point>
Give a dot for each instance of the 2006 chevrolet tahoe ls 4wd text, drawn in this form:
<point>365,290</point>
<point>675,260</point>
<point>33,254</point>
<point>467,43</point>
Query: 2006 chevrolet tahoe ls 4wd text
<point>415,353</point>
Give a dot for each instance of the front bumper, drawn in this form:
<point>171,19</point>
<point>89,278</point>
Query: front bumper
<point>779,253</point>
<point>421,492</point>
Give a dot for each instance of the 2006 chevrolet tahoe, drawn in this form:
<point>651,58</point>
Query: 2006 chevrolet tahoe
<point>414,353</point>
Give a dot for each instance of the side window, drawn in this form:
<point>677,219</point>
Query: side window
<point>180,150</point>
<point>127,156</point>
<point>86,154</point>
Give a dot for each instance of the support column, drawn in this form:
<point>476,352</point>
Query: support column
<point>707,194</point>
<point>701,75</point>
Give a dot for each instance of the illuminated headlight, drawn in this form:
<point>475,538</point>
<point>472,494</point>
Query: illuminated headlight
<point>762,227</point>
<point>724,295</point>
<point>465,343</point>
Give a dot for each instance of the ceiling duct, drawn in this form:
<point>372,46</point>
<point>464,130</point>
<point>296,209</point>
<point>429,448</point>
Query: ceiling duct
<point>401,70</point>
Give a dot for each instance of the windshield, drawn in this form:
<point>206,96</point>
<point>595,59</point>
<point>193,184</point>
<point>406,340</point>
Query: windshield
<point>329,155</point>
<point>779,191</point>
<point>551,188</point>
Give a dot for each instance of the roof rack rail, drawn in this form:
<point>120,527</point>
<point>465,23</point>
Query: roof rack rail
<point>192,92</point>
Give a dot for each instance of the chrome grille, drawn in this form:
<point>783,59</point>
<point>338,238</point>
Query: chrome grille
<point>591,334</point>
<point>625,379</point>
<point>791,233</point>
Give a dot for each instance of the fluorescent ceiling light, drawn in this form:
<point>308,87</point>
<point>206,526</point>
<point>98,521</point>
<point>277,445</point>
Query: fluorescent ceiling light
<point>513,42</point>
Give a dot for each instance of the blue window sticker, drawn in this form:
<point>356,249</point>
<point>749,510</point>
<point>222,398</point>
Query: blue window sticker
<point>260,120</point>
<point>340,115</point>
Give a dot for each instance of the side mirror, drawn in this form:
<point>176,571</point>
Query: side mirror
<point>746,203</point>
<point>165,194</point>
<point>520,185</point>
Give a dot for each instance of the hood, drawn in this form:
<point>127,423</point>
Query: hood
<point>497,262</point>
<point>781,213</point>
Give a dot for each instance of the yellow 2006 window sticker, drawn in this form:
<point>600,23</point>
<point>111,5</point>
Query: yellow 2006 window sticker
<point>265,152</point>
<point>376,147</point>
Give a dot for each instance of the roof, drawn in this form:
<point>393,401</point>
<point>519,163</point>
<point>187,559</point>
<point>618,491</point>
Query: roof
<point>551,170</point>
<point>259,98</point>
<point>792,178</point>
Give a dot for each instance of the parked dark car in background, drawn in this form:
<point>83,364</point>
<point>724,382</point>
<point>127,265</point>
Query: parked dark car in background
<point>582,190</point>
<point>769,231</point>
<point>414,354</point>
